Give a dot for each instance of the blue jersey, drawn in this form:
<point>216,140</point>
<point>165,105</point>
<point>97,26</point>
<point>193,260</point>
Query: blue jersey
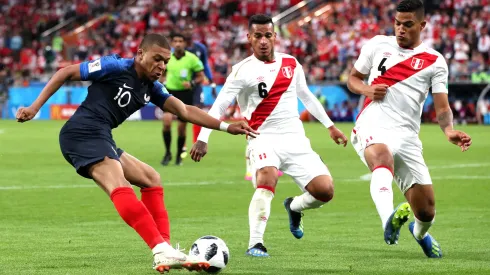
<point>200,51</point>
<point>116,92</point>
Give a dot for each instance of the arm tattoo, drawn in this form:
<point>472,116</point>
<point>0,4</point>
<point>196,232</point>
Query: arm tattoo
<point>445,119</point>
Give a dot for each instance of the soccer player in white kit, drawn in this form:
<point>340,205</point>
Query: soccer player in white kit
<point>266,86</point>
<point>401,70</point>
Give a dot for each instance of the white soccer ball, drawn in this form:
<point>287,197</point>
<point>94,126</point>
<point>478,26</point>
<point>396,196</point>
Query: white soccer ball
<point>213,250</point>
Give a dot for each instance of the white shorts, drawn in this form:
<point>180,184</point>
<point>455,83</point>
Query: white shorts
<point>410,167</point>
<point>290,153</point>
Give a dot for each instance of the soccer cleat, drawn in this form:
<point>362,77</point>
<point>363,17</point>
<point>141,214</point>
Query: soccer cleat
<point>194,263</point>
<point>248,176</point>
<point>395,222</point>
<point>295,221</point>
<point>429,245</point>
<point>257,250</point>
<point>169,259</point>
<point>166,159</point>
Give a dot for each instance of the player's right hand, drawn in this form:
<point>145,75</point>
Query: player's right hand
<point>199,150</point>
<point>241,128</point>
<point>25,114</point>
<point>376,92</point>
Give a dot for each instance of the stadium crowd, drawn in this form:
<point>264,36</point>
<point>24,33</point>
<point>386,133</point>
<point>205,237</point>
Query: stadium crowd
<point>327,47</point>
<point>458,29</point>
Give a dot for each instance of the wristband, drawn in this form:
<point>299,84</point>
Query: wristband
<point>223,126</point>
<point>213,85</point>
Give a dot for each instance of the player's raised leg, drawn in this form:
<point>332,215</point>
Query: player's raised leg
<point>109,175</point>
<point>181,142</point>
<point>379,159</point>
<point>260,209</point>
<point>144,176</point>
<point>167,137</point>
<point>422,201</point>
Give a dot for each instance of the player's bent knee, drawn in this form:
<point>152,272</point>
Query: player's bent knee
<point>154,179</point>
<point>321,188</point>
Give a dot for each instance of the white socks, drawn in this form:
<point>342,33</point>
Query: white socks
<point>420,228</point>
<point>258,214</point>
<point>305,201</point>
<point>382,193</point>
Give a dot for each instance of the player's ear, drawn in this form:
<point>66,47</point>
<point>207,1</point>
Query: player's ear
<point>249,37</point>
<point>422,25</point>
<point>139,53</point>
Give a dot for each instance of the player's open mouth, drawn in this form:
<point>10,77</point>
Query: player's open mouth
<point>158,75</point>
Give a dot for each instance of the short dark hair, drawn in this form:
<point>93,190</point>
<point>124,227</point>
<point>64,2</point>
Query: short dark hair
<point>416,6</point>
<point>154,38</point>
<point>176,34</point>
<point>260,19</point>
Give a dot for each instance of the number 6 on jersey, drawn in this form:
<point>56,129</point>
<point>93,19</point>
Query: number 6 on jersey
<point>262,90</point>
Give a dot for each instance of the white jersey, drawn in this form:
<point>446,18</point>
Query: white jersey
<point>267,93</point>
<point>409,73</point>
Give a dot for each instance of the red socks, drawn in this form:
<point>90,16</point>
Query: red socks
<point>195,129</point>
<point>153,200</point>
<point>135,214</point>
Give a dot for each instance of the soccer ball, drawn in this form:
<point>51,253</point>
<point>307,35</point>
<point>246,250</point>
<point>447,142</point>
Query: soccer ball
<point>213,250</point>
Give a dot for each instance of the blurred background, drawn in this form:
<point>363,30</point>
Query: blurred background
<point>38,37</point>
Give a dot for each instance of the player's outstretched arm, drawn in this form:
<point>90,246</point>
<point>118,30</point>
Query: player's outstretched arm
<point>445,120</point>
<point>314,106</point>
<point>197,116</point>
<point>71,72</point>
<point>356,84</point>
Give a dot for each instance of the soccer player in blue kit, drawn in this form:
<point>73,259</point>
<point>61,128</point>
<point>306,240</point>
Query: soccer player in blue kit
<point>119,88</point>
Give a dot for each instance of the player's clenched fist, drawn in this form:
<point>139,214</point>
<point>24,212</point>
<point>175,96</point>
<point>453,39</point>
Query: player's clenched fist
<point>25,114</point>
<point>377,91</point>
<point>241,128</point>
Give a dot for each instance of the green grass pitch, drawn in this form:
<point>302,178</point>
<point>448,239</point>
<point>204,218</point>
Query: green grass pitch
<point>53,221</point>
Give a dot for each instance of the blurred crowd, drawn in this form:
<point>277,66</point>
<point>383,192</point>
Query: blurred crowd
<point>37,37</point>
<point>327,46</point>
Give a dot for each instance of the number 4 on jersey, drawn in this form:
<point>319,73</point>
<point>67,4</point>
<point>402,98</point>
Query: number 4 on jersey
<point>382,68</point>
<point>262,90</point>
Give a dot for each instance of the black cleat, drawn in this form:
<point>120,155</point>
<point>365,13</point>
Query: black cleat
<point>166,159</point>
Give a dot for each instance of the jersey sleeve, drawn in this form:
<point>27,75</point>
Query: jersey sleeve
<point>365,60</point>
<point>197,65</point>
<point>159,94</point>
<point>309,100</point>
<point>439,79</point>
<point>231,88</point>
<point>98,69</point>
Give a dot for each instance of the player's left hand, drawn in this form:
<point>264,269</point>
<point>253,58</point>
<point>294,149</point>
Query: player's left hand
<point>459,138</point>
<point>199,150</point>
<point>26,114</point>
<point>337,136</point>
<point>241,128</point>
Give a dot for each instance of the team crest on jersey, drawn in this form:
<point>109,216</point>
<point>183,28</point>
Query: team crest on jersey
<point>417,63</point>
<point>287,72</point>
